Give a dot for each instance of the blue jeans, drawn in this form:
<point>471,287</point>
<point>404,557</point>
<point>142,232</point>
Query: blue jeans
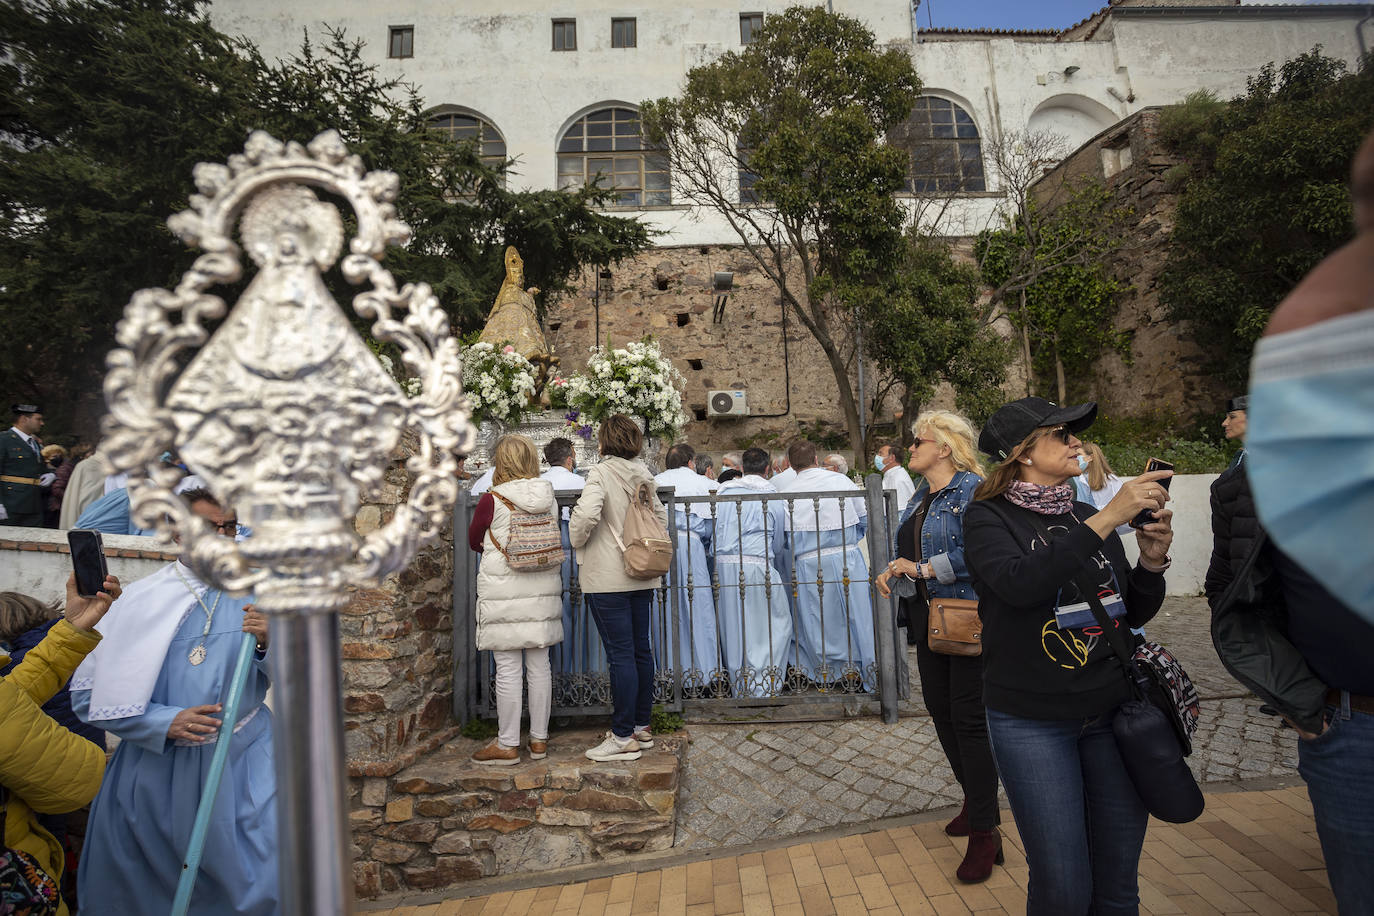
<point>1079,816</point>
<point>1338,767</point>
<point>622,618</point>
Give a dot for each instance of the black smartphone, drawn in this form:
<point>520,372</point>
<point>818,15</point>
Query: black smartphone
<point>1145,516</point>
<point>88,560</point>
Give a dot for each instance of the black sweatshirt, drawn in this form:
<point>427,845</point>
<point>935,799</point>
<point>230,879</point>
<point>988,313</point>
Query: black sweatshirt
<point>1030,667</point>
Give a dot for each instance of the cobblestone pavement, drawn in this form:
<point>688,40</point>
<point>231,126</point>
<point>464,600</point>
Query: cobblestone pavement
<point>745,783</point>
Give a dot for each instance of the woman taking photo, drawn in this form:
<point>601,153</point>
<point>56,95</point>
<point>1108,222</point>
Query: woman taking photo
<point>519,612</point>
<point>930,551</point>
<point>618,603</point>
<point>1051,682</point>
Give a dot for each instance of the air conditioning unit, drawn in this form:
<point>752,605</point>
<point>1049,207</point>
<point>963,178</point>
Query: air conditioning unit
<point>726,404</point>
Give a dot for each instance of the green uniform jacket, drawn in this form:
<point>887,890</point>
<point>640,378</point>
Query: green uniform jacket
<point>22,501</point>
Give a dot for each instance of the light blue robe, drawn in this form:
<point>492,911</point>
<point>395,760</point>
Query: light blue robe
<point>834,622</point>
<point>696,631</point>
<point>110,515</point>
<point>141,821</point>
<point>755,616</point>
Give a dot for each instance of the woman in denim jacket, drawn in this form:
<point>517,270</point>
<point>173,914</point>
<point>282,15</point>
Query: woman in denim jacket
<point>930,554</point>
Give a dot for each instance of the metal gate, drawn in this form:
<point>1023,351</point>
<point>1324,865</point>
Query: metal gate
<point>752,622</point>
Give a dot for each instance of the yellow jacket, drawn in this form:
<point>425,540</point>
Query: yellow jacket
<point>44,767</point>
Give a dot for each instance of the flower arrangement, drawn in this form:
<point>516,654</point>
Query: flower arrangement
<point>636,380</point>
<point>499,382</point>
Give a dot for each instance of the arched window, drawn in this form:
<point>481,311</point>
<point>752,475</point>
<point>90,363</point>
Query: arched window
<point>608,147</point>
<point>946,156</point>
<point>468,128</point>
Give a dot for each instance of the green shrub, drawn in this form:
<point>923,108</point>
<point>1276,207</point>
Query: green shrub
<point>480,729</point>
<point>663,722</point>
<point>1130,441</point>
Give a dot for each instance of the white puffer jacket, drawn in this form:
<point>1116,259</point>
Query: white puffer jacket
<point>517,610</point>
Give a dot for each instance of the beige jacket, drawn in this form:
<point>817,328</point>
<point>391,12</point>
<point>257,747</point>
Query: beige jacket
<point>597,520</point>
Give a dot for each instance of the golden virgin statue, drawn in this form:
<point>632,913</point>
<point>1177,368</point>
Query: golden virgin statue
<point>513,319</point>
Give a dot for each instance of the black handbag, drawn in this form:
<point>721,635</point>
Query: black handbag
<point>1147,733</point>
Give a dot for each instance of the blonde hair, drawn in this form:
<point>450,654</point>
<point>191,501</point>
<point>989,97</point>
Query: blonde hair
<point>514,458</point>
<point>954,432</point>
<point>20,613</point>
<point>1098,468</point>
<point>1009,470</point>
<point>49,451</point>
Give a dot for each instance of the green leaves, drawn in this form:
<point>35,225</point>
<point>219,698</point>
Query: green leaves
<point>110,103</point>
<point>1264,199</point>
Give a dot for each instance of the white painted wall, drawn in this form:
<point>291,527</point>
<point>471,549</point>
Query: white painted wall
<point>1190,498</point>
<point>495,59</point>
<point>43,574</point>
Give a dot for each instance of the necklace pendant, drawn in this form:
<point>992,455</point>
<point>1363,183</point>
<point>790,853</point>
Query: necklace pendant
<point>197,654</point>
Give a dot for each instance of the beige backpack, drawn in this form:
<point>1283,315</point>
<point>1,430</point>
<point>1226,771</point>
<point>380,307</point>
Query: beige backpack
<point>647,549</point>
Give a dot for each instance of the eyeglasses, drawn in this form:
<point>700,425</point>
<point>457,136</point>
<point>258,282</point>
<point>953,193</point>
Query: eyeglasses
<point>228,526</point>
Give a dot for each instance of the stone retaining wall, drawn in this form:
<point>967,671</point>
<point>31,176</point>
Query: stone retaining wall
<point>444,819</point>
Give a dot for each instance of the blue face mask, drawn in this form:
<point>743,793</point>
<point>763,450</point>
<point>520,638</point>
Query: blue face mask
<point>878,462</point>
<point>1082,463</point>
<point>1310,450</point>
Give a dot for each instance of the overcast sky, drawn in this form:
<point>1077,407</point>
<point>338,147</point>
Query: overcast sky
<point>1009,14</point>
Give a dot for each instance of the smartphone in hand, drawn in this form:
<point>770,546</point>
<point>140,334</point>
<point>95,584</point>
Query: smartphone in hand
<point>1145,516</point>
<point>88,560</point>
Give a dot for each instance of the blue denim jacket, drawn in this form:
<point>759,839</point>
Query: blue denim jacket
<point>942,535</point>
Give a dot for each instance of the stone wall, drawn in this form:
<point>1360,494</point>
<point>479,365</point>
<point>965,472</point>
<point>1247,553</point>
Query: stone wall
<point>667,292</point>
<point>397,649</point>
<point>1164,371</point>
<point>445,820</point>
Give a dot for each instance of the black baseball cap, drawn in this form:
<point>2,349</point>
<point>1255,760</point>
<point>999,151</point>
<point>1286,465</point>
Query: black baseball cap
<point>1013,422</point>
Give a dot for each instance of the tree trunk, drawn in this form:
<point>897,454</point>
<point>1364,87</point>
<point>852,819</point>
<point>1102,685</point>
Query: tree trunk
<point>911,409</point>
<point>1059,373</point>
<point>1025,347</point>
<point>849,407</point>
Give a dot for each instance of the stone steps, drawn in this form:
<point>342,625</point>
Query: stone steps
<point>444,820</point>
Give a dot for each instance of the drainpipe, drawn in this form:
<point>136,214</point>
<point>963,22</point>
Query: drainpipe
<point>915,26</point>
<point>1359,31</point>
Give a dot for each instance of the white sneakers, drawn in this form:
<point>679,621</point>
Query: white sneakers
<point>644,737</point>
<point>613,748</point>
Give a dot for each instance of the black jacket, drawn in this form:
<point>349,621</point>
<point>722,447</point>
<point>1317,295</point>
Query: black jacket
<point>1030,667</point>
<point>1249,615</point>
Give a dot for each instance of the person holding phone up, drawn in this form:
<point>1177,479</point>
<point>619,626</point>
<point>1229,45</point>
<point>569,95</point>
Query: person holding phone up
<point>1051,681</point>
<point>45,768</point>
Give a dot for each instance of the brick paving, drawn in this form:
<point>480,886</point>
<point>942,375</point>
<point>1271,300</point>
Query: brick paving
<point>1251,852</point>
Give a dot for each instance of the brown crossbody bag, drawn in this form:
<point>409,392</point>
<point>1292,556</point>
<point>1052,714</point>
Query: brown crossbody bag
<point>955,627</point>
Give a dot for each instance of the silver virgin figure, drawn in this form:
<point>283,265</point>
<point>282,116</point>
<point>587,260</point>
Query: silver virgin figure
<point>290,418</point>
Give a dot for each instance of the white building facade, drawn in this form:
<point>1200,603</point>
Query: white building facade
<point>557,87</point>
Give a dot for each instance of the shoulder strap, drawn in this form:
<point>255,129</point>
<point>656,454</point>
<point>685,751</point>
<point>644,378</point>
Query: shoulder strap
<point>1115,637</point>
<point>492,537</point>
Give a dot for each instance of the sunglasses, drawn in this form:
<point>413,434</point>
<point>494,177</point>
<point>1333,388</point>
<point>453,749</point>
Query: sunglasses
<point>229,526</point>
<point>1062,434</point>
<point>917,442</point>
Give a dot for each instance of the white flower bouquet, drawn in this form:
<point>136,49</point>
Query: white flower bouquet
<point>498,381</point>
<point>636,380</point>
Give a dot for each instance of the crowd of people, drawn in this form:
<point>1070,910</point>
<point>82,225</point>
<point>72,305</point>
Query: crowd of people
<point>1023,517</point>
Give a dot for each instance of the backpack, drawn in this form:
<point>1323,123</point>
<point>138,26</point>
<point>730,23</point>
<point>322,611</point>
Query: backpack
<point>534,542</point>
<point>646,546</point>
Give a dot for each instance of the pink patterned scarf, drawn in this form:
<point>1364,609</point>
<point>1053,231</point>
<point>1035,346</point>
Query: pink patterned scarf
<point>1055,500</point>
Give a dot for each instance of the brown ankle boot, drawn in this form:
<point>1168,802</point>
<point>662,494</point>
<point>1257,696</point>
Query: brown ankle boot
<point>984,851</point>
<point>959,826</point>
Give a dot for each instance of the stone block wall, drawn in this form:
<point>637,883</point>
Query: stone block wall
<point>1164,370</point>
<point>667,292</point>
<point>445,820</point>
<point>397,648</point>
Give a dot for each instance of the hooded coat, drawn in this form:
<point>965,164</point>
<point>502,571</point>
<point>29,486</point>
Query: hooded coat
<point>517,609</point>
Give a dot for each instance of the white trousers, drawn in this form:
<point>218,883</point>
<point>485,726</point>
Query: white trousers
<point>511,667</point>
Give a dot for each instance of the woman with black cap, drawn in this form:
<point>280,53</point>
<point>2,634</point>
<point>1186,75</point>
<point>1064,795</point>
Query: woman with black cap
<point>1051,681</point>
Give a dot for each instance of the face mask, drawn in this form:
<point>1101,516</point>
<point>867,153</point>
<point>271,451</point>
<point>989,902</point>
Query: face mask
<point>878,462</point>
<point>1310,450</point>
<point>1082,463</point>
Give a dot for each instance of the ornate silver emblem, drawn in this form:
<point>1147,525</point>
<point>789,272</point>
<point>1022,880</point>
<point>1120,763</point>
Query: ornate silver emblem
<point>291,420</point>
<point>284,411</point>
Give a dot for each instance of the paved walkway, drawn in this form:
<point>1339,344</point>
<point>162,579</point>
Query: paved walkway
<point>749,783</point>
<point>1250,852</point>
